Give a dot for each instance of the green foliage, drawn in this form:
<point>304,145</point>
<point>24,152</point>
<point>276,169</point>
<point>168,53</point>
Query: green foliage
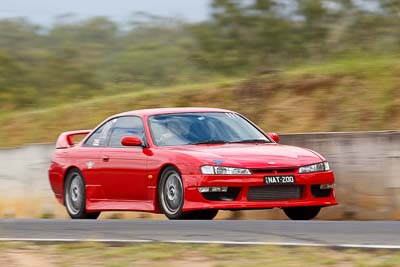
<point>83,59</point>
<point>263,34</point>
<point>73,60</point>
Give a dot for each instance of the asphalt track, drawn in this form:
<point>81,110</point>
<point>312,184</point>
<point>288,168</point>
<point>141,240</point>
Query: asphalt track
<point>371,234</point>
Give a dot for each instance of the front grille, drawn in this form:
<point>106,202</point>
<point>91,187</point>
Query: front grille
<point>275,192</point>
<point>275,171</point>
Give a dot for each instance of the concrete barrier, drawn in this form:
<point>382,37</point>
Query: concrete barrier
<point>366,164</point>
<point>367,170</point>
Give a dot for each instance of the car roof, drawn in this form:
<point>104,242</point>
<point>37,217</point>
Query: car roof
<point>157,111</point>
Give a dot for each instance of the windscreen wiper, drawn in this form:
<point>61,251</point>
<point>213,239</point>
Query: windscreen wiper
<point>251,141</point>
<point>209,142</point>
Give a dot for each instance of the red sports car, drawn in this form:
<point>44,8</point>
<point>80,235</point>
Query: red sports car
<point>187,163</point>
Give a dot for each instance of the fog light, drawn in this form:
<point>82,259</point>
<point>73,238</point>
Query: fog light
<point>213,189</point>
<point>327,186</point>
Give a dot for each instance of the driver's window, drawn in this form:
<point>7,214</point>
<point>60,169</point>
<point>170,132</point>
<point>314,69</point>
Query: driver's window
<point>126,126</point>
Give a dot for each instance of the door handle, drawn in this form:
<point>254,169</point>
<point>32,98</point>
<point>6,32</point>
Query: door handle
<point>106,158</point>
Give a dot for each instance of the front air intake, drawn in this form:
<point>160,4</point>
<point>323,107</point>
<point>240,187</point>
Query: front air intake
<point>318,192</point>
<point>229,195</point>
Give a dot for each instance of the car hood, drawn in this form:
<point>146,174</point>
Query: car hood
<point>252,155</point>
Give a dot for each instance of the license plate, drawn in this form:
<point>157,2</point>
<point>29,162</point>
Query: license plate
<point>284,179</point>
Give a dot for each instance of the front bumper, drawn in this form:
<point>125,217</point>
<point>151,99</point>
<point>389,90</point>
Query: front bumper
<point>195,200</point>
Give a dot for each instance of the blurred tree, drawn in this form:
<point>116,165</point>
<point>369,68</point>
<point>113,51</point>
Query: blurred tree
<point>15,91</point>
<point>17,35</point>
<point>391,6</point>
<point>315,25</point>
<point>96,56</point>
<point>153,50</point>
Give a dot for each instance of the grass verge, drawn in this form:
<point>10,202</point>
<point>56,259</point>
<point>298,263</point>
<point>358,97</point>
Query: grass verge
<point>160,254</point>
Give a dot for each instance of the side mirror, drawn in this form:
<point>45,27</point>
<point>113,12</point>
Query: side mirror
<point>274,136</point>
<point>131,141</point>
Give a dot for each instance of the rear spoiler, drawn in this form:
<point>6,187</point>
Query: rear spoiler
<point>66,139</point>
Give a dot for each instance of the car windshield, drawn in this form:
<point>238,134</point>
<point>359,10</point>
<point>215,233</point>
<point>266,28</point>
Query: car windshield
<point>203,128</point>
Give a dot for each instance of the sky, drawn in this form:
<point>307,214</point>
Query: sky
<point>44,11</point>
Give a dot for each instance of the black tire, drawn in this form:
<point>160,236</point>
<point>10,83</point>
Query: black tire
<point>200,215</point>
<point>171,194</point>
<point>171,182</point>
<point>75,196</point>
<point>302,213</point>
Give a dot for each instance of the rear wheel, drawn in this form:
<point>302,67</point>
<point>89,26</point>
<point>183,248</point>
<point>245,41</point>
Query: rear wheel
<point>75,196</point>
<point>302,213</point>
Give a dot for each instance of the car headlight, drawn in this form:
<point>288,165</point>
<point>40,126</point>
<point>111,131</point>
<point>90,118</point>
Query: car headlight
<point>318,167</point>
<point>209,169</point>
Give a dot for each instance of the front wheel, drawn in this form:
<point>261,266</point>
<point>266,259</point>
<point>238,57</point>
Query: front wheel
<point>302,213</point>
<point>75,196</point>
<point>170,193</point>
<point>171,198</point>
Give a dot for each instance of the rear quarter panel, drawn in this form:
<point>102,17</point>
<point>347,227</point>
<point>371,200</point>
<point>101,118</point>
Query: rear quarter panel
<point>65,159</point>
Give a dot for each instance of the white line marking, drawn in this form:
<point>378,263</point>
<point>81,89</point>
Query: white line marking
<point>6,239</point>
<point>296,244</point>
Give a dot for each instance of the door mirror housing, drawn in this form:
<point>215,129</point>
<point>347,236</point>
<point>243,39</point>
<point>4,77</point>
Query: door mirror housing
<point>274,136</point>
<point>131,141</point>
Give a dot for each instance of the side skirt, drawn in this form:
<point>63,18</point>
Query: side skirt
<point>120,205</point>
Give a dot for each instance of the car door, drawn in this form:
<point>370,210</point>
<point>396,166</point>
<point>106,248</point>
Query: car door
<point>124,168</point>
<point>89,157</point>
